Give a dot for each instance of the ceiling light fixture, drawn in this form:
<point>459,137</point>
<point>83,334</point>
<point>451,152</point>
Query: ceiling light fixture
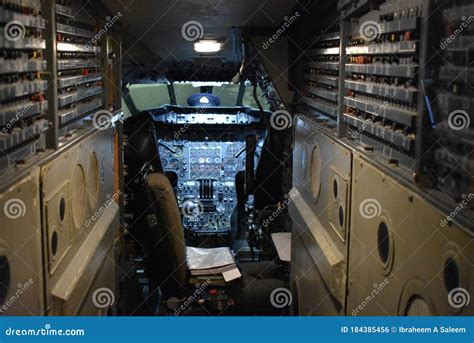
<point>207,46</point>
<point>204,100</point>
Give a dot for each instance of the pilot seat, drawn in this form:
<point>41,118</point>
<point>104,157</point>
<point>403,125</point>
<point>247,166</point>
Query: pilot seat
<point>248,295</point>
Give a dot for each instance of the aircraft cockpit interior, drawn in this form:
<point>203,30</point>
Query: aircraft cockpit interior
<point>236,158</point>
<point>203,175</point>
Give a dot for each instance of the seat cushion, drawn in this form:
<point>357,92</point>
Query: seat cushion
<point>170,243</point>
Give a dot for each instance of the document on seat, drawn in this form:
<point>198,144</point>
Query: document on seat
<point>232,275</point>
<point>212,271</point>
<point>199,258</point>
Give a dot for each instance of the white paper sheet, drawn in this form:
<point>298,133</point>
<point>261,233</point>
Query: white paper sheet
<point>199,258</point>
<point>231,275</point>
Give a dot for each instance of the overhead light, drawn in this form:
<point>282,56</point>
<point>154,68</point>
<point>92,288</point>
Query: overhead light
<point>207,46</point>
<point>204,100</point>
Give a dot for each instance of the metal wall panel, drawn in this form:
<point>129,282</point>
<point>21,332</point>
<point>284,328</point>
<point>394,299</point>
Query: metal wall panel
<point>320,212</point>
<point>102,295</point>
<point>404,258</point>
<point>21,259</point>
<point>79,183</point>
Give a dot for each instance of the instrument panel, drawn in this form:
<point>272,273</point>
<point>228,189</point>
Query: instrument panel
<point>205,188</point>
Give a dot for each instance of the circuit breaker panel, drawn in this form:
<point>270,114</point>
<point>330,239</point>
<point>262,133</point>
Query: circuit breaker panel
<point>22,102</point>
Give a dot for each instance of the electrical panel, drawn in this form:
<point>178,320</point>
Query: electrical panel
<point>364,75</point>
<point>321,75</point>
<point>22,101</point>
<point>78,63</point>
<point>403,110</point>
<point>57,184</point>
<point>382,77</point>
<point>393,80</point>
